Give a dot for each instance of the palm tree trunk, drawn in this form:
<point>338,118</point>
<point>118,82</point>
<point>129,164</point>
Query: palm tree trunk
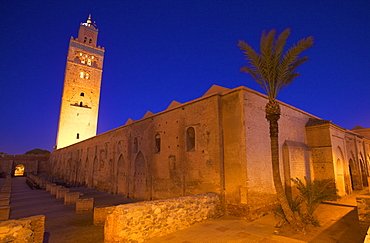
<point>272,116</point>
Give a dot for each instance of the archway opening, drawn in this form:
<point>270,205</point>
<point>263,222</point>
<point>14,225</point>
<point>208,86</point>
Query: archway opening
<point>340,178</point>
<point>19,170</point>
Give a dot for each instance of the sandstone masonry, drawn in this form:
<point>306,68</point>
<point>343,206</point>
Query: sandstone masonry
<point>139,221</point>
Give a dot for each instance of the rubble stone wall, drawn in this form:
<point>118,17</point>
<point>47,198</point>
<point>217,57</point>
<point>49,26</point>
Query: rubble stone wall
<point>363,212</point>
<point>29,229</point>
<point>136,222</point>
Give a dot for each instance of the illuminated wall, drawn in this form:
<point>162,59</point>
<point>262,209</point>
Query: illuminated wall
<point>81,93</point>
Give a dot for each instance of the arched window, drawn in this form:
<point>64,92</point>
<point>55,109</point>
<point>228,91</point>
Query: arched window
<point>157,144</point>
<point>81,104</point>
<point>78,136</point>
<point>136,146</point>
<point>82,94</point>
<point>190,139</point>
<point>119,149</point>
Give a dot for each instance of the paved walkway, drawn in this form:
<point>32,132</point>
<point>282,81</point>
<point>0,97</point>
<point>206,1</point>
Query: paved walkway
<point>62,224</point>
<point>339,222</point>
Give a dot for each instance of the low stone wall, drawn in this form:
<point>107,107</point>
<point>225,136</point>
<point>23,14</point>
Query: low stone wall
<point>101,213</point>
<point>136,222</point>
<point>363,212</point>
<point>29,229</point>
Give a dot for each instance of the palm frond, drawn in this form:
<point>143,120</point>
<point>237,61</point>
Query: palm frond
<point>255,67</point>
<point>273,69</point>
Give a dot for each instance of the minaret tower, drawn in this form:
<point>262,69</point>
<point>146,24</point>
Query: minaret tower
<point>80,100</point>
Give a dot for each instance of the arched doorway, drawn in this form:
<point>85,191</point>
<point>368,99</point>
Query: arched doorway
<point>340,178</point>
<point>95,173</point>
<point>122,180</point>
<point>19,170</point>
<point>140,183</point>
<point>364,173</point>
<point>351,171</point>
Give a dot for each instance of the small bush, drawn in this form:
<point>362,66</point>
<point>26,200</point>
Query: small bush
<point>311,194</point>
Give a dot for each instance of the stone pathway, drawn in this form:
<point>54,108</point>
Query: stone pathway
<point>62,224</point>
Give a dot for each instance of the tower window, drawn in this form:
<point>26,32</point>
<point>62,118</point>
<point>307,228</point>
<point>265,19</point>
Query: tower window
<point>89,62</point>
<point>81,104</point>
<point>85,39</point>
<point>90,41</point>
<point>78,136</point>
<point>85,75</point>
<point>82,94</point>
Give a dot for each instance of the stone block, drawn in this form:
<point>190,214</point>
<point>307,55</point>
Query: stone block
<point>4,194</point>
<point>54,189</point>
<point>6,188</point>
<point>29,229</point>
<point>7,183</point>
<point>100,214</point>
<point>4,201</point>
<point>367,239</point>
<point>84,205</point>
<point>61,193</point>
<point>71,197</point>
<point>4,212</point>
<point>49,185</point>
<point>5,191</point>
<point>43,183</point>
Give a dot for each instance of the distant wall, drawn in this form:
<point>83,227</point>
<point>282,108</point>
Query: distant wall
<point>33,163</point>
<point>136,222</point>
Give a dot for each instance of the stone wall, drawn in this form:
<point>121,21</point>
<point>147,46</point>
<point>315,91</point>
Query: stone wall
<point>228,153</point>
<point>22,230</point>
<point>33,163</point>
<point>363,212</point>
<point>137,222</point>
<point>130,162</point>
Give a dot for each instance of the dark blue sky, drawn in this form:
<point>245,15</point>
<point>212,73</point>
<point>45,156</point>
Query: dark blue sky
<point>159,51</point>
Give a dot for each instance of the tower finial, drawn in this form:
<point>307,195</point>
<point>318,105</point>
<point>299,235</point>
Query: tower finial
<point>89,19</point>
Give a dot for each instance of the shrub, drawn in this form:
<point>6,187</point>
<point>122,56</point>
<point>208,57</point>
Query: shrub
<point>311,194</point>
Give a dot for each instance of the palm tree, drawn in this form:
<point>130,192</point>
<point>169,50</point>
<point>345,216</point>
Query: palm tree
<point>274,70</point>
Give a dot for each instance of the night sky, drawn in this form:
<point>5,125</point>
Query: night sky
<point>158,51</point>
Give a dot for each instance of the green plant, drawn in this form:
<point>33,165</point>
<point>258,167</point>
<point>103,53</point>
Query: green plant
<point>311,194</point>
